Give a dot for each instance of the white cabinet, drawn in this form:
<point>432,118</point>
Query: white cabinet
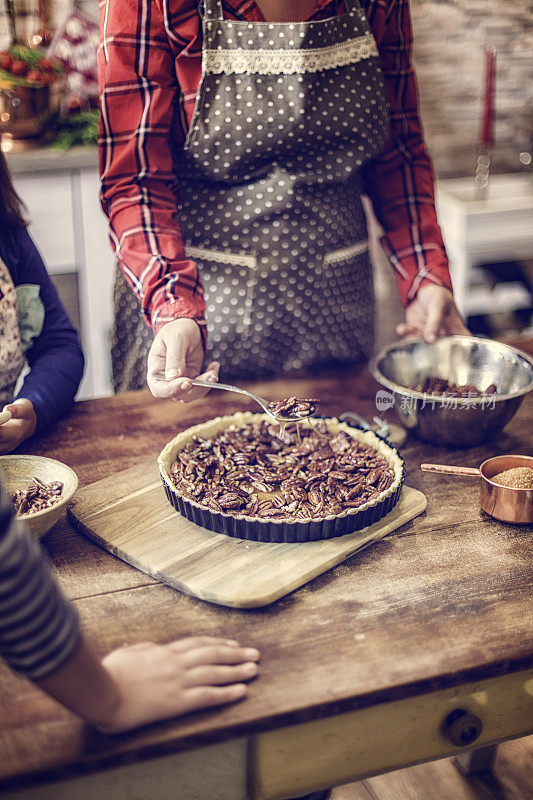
<point>95,280</point>
<point>70,230</point>
<point>48,199</point>
<point>498,227</point>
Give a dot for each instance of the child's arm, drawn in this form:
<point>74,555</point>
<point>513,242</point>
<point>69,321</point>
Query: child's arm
<point>148,682</point>
<point>55,356</point>
<point>132,686</point>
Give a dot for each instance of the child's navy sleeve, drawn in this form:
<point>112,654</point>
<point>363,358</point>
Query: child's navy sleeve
<point>55,357</point>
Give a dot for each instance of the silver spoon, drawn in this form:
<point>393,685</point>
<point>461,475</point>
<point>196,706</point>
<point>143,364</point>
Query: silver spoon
<point>260,400</point>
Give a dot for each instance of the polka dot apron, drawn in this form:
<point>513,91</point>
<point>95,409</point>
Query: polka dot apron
<point>269,189</point>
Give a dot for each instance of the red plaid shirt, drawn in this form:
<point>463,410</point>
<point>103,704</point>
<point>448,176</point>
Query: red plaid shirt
<point>150,69</point>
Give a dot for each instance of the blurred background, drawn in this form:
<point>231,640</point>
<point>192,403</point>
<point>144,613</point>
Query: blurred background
<point>488,233</point>
<point>491,245</point>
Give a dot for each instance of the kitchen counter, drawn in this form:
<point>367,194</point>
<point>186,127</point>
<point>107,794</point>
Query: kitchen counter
<point>433,618</point>
<point>42,159</point>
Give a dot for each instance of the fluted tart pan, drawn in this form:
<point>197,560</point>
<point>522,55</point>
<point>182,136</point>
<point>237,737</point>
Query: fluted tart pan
<point>284,529</point>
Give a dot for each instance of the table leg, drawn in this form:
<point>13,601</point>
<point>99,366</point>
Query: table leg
<point>475,761</point>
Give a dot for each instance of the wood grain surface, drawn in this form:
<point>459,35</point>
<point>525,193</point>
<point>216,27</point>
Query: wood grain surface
<point>130,516</point>
<point>445,601</point>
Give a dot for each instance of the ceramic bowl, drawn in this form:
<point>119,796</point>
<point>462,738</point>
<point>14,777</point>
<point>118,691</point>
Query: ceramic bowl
<point>16,472</point>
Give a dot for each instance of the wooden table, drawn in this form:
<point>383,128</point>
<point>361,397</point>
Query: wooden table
<point>359,668</point>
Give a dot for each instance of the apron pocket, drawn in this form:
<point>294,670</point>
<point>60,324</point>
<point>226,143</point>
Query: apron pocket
<point>349,292</point>
<point>229,281</point>
<point>345,254</point>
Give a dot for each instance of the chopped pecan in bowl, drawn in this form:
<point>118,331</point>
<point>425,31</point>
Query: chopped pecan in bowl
<point>37,496</point>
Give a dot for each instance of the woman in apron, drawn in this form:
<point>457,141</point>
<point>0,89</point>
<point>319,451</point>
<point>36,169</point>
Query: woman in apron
<point>245,210</point>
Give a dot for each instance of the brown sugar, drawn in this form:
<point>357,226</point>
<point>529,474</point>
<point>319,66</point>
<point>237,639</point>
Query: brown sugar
<point>516,478</point>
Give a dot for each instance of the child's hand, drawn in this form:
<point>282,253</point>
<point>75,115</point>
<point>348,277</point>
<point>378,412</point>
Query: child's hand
<point>21,425</point>
<point>155,682</point>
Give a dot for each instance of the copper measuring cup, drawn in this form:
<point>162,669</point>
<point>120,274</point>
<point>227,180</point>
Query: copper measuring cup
<point>501,502</point>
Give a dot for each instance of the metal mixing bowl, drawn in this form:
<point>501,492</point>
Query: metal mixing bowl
<point>461,360</point>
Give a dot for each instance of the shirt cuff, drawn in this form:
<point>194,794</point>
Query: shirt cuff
<point>171,310</point>
<point>416,264</point>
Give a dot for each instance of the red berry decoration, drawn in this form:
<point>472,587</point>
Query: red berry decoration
<point>5,61</point>
<point>19,68</point>
<point>35,77</point>
<point>74,105</point>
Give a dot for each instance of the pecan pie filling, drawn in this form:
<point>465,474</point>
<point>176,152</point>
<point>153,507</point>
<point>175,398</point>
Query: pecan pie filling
<point>293,407</point>
<point>258,471</point>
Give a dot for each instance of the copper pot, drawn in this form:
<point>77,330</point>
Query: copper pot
<point>502,502</point>
<point>26,110</point>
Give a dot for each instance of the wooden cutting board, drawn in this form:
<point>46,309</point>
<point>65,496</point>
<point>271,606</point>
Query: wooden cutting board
<point>129,515</point>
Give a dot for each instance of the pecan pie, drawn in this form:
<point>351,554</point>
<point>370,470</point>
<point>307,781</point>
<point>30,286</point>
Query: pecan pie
<point>244,476</point>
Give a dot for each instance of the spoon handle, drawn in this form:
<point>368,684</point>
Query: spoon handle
<point>216,385</point>
<point>447,469</point>
<point>160,376</point>
<point>228,388</point>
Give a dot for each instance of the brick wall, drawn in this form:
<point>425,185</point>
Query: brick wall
<point>450,37</point>
<point>26,10</point>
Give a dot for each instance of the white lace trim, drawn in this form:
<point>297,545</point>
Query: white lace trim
<point>235,259</point>
<point>345,253</point>
<point>288,62</point>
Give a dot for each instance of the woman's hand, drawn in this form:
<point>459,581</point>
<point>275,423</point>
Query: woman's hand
<point>177,352</point>
<point>431,314</point>
<point>21,425</point>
